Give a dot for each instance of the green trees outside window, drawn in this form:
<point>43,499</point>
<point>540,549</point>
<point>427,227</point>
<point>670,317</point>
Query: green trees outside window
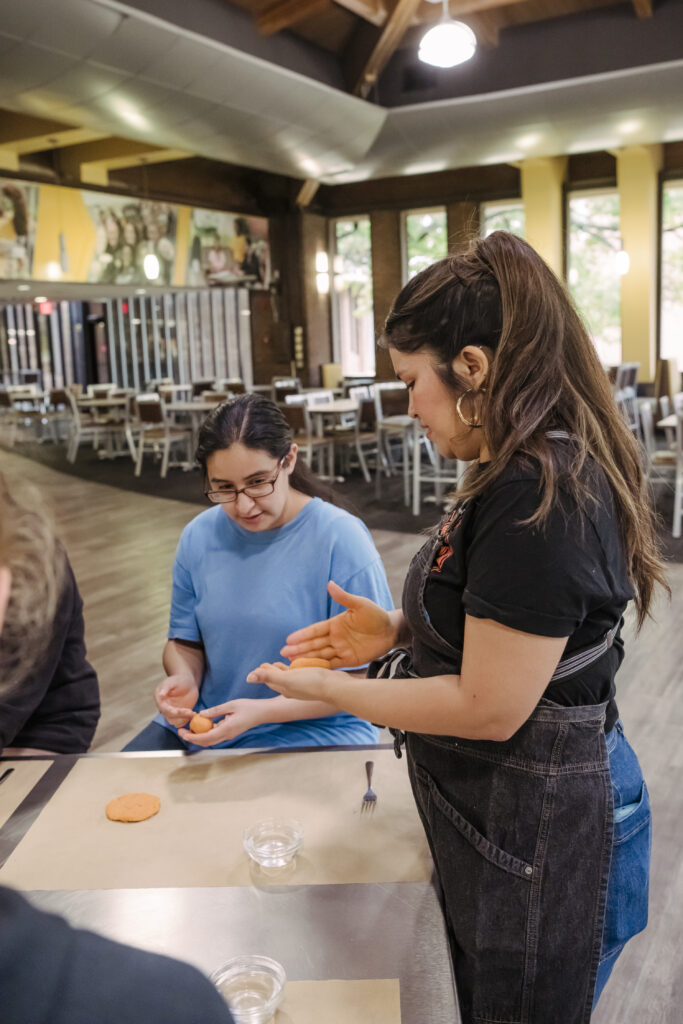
<point>672,272</point>
<point>425,240</point>
<point>352,296</point>
<point>594,269</point>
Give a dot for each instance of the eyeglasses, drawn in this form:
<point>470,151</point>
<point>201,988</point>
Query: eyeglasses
<point>258,489</point>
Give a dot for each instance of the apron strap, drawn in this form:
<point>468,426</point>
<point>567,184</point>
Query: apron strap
<point>580,660</point>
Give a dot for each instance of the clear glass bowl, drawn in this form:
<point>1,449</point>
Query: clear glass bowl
<point>273,842</point>
<point>252,986</point>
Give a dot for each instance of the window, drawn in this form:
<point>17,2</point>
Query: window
<point>352,300</point>
<point>593,268</point>
<point>671,346</point>
<point>503,216</point>
<point>425,239</point>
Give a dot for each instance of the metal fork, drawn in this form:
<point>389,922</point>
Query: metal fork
<point>370,798</point>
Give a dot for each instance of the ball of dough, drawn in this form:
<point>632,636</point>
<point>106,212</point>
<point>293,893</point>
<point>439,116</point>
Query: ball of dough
<point>310,663</point>
<point>200,724</point>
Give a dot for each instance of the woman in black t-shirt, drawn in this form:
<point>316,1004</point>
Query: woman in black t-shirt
<point>533,802</point>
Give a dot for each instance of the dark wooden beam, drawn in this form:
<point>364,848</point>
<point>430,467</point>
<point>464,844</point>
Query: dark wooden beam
<point>374,11</point>
<point>389,38</point>
<point>284,13</point>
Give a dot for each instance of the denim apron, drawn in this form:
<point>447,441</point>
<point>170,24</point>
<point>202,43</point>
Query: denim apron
<point>520,833</point>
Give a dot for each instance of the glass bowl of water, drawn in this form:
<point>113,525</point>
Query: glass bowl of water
<point>273,842</point>
<point>252,986</point>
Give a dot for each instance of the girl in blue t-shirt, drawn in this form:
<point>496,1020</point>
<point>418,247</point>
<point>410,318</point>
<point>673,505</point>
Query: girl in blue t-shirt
<point>248,571</point>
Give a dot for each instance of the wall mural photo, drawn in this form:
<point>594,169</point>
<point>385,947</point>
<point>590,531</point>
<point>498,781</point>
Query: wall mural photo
<point>18,219</point>
<point>226,248</point>
<point>135,240</point>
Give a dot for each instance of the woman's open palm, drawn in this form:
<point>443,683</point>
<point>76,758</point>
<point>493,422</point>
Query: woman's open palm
<point>363,632</point>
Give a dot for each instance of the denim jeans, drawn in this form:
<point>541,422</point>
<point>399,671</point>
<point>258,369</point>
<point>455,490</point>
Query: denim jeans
<point>627,889</point>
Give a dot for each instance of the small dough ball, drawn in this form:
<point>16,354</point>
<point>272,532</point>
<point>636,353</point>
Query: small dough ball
<point>310,663</point>
<point>200,724</point>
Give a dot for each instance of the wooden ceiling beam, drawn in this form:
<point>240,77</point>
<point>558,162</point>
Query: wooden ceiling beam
<point>388,40</point>
<point>285,13</point>
<point>374,11</point>
<point>643,8</point>
<point>458,8</point>
<point>486,27</point>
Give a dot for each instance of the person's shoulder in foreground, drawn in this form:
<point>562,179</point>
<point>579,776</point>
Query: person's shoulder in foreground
<point>51,973</point>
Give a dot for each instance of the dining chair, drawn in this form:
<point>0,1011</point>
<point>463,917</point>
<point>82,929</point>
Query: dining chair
<point>317,451</point>
<point>625,394</point>
<point>284,386</point>
<point>660,463</point>
<point>157,434</point>
<point>393,424</point>
<point>81,426</point>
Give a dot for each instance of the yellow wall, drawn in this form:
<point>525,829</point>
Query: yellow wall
<point>638,183</point>
<point>542,181</point>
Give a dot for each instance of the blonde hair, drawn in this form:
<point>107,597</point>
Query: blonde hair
<point>29,548</point>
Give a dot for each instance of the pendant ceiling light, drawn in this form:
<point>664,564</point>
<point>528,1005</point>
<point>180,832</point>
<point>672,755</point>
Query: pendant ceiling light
<point>448,43</point>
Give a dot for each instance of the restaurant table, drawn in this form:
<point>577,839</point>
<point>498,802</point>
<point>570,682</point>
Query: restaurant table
<point>110,402</point>
<point>669,422</point>
<point>355,921</point>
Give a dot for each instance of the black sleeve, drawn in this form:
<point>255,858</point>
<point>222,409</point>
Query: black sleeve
<point>57,706</point>
<point>51,973</point>
<point>541,580</point>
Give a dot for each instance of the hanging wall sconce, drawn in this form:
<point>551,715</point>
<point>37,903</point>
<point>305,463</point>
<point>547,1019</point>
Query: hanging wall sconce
<point>322,276</point>
<point>448,43</point>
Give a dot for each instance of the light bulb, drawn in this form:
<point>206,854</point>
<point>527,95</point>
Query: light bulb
<point>447,44</point>
<point>151,266</point>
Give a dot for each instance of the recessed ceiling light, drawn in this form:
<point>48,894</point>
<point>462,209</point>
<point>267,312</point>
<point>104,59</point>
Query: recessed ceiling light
<point>23,287</point>
<point>40,298</point>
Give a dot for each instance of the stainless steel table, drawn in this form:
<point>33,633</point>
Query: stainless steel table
<point>318,932</point>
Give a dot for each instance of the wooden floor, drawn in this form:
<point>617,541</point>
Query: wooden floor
<point>121,545</point>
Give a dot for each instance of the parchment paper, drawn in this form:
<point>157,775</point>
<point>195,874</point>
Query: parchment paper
<point>206,803</point>
<point>19,784</point>
<point>341,1002</point>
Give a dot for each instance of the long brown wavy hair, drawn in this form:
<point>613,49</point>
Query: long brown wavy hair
<point>544,375</point>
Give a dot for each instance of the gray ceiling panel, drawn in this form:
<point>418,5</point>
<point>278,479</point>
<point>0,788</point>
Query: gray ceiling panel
<point>85,81</point>
<point>187,61</point>
<point>21,18</point>
<point>134,45</point>
<point>74,27</point>
<point>28,66</point>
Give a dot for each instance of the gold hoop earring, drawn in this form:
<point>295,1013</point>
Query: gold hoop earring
<point>459,411</point>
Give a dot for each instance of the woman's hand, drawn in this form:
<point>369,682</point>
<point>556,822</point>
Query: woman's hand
<point>354,637</point>
<point>299,683</point>
<point>240,715</point>
<point>176,697</point>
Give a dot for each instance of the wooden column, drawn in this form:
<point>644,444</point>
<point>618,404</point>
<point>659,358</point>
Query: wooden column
<point>385,236</point>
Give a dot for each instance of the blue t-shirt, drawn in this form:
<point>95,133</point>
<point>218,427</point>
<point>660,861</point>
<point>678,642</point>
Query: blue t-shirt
<point>241,594</point>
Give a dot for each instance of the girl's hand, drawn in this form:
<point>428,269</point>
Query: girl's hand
<point>240,715</point>
<point>299,683</point>
<point>175,698</point>
<point>354,637</point>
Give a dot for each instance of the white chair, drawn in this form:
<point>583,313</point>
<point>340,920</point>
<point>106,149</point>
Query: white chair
<point>83,426</point>
<point>157,434</point>
<point>625,394</point>
<point>393,424</point>
<point>660,463</point>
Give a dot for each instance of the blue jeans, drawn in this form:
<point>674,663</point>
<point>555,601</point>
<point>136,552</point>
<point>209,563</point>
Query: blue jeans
<point>627,890</point>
